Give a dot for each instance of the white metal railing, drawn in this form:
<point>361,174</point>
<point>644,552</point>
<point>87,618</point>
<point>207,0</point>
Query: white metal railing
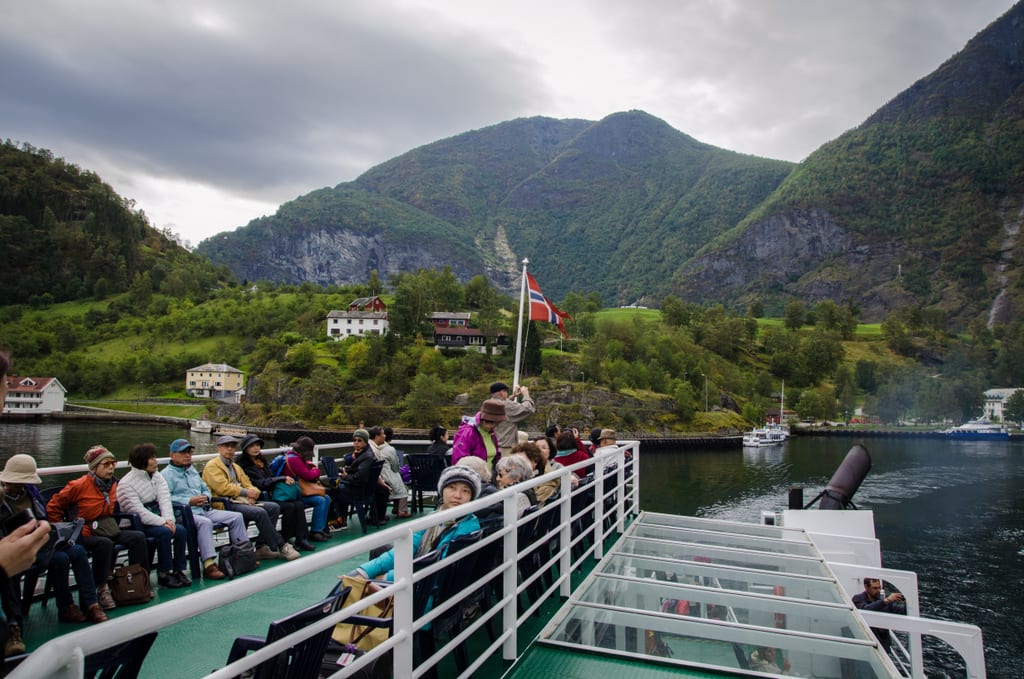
<point>63,656</point>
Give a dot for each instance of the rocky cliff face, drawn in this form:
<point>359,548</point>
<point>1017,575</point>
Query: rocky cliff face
<point>340,256</point>
<point>803,254</point>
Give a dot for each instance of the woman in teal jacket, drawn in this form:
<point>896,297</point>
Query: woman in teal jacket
<point>457,486</point>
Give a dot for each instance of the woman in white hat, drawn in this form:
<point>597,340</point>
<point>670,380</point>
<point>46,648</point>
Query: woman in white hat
<point>20,492</point>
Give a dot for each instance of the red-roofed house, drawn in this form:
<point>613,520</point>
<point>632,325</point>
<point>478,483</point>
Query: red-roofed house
<point>34,395</point>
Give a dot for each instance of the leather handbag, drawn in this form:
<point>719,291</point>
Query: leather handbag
<point>363,637</point>
<point>130,585</point>
<point>307,488</point>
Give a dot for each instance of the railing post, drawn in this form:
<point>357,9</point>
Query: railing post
<point>510,648</point>
<point>402,658</point>
<point>565,561</point>
<point>599,508</point>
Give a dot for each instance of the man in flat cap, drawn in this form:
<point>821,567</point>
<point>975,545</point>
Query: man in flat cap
<point>517,408</point>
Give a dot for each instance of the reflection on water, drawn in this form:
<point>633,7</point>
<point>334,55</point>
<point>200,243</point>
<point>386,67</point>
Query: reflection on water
<point>951,511</point>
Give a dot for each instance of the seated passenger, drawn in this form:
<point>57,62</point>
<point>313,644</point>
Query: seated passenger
<point>144,492</point>
<point>299,465</point>
<point>20,492</point>
<point>92,497</point>
<point>763,660</point>
<point>568,453</point>
<point>438,441</point>
<point>293,511</point>
<point>226,479</point>
<point>355,478</point>
<point>457,486</point>
<point>486,487</point>
<point>512,470</point>
<point>187,488</point>
<point>380,444</point>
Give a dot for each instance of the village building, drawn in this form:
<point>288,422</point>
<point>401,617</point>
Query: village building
<point>995,399</point>
<point>34,395</point>
<point>364,316</point>
<point>215,380</point>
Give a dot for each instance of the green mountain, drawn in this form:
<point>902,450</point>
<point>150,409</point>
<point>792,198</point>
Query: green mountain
<point>918,206</point>
<point>67,235</point>
<point>612,206</point>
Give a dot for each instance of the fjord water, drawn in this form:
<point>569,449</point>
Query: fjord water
<point>953,512</point>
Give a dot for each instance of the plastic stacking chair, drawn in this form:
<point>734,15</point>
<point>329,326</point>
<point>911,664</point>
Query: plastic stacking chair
<point>364,499</point>
<point>304,658</point>
<point>426,472</point>
<point>123,661</point>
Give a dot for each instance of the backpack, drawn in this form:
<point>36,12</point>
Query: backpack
<point>277,464</point>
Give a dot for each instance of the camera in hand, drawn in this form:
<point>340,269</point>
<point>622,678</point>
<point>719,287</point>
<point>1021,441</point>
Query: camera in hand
<point>19,519</point>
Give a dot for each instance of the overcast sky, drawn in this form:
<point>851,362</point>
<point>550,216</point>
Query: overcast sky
<point>210,114</point>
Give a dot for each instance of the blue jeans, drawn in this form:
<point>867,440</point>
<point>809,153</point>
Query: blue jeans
<point>61,563</point>
<point>320,504</point>
<point>164,539</point>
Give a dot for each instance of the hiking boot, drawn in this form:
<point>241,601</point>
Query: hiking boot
<point>72,613</point>
<point>105,598</point>
<point>211,572</point>
<point>319,536</point>
<point>288,552</point>
<point>265,553</point>
<point>338,524</point>
<point>183,578</point>
<point>169,580</point>
<point>15,644</point>
<point>95,614</point>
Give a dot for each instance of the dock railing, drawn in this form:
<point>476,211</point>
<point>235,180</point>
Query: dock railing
<point>615,496</point>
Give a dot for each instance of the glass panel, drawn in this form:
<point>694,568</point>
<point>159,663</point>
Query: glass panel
<point>717,555</point>
<point>735,540</point>
<point>764,610</point>
<point>682,640</point>
<point>737,579</point>
<point>721,526</point>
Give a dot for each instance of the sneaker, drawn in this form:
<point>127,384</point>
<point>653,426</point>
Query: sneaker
<point>183,578</point>
<point>15,644</point>
<point>338,524</point>
<point>72,614</point>
<point>265,553</point>
<point>288,553</point>
<point>211,572</point>
<point>169,580</point>
<point>95,614</point>
<point>106,600</point>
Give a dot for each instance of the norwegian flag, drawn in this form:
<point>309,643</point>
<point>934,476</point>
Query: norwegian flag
<point>541,308</point>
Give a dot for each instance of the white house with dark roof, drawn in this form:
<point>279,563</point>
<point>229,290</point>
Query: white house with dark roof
<point>215,380</point>
<point>34,395</point>
<point>364,316</point>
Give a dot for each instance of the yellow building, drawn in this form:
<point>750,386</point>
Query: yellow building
<point>215,380</point>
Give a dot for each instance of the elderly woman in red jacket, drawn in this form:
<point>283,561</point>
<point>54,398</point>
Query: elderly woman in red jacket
<point>92,497</point>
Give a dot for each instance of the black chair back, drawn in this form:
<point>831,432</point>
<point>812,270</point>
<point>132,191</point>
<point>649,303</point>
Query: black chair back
<point>364,498</point>
<point>426,472</point>
<point>123,661</point>
<point>303,660</point>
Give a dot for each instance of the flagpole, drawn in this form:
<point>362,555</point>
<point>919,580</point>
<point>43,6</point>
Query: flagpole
<point>519,331</point>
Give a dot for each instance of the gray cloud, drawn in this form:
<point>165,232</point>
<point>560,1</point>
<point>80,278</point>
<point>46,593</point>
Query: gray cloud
<point>263,101</point>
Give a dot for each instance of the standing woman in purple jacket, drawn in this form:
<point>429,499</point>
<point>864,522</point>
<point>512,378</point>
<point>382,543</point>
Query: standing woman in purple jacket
<point>477,437</point>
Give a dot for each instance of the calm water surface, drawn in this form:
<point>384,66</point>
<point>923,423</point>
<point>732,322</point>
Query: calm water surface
<point>953,512</point>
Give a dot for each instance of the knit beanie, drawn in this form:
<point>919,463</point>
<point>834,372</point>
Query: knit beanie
<point>459,473</point>
<point>361,433</point>
<point>95,455</point>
